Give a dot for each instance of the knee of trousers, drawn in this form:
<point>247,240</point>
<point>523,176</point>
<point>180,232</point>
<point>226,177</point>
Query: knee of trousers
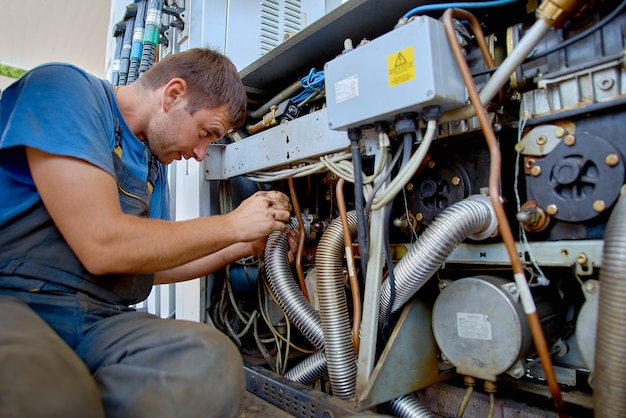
<point>219,371</point>
<point>220,355</point>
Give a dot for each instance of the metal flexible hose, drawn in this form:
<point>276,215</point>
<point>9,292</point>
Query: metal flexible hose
<point>339,349</point>
<point>286,290</point>
<point>473,216</point>
<point>409,406</point>
<point>309,370</point>
<point>610,368</point>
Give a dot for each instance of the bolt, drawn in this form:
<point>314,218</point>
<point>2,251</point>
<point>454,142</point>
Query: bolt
<point>455,181</point>
<point>542,139</point>
<point>419,216</point>
<point>409,186</point>
<point>535,171</point>
<point>559,132</point>
<point>590,286</point>
<point>569,140</point>
<point>581,259</point>
<point>401,222</point>
<point>253,384</point>
<point>431,164</point>
<point>552,209</point>
<point>611,160</point>
<point>519,147</point>
<point>599,205</point>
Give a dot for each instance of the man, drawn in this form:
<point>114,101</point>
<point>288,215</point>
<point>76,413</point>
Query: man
<point>84,234</point>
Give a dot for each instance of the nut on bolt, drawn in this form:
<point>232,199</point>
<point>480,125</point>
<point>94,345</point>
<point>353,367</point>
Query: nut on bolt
<point>542,139</point>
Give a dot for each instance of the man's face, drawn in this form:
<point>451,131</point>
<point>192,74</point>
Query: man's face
<point>175,134</point>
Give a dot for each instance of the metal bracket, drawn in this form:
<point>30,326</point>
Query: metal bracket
<point>293,397</point>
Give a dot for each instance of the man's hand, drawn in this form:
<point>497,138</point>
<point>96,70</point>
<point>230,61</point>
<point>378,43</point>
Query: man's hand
<point>261,214</point>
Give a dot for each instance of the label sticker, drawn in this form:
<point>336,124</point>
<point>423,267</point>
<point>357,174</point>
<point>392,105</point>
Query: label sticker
<point>347,88</point>
<point>401,67</point>
<point>472,325</point>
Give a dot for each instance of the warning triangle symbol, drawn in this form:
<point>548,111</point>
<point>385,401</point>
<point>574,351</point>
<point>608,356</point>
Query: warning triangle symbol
<point>400,60</point>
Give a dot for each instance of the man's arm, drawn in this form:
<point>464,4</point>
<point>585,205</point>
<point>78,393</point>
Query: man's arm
<point>83,202</point>
<point>219,259</point>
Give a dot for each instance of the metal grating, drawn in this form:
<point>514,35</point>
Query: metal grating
<point>278,18</point>
<point>294,398</point>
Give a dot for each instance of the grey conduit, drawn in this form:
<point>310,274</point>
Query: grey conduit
<point>339,348</point>
<point>286,290</point>
<point>409,406</point>
<point>472,217</point>
<point>610,367</point>
<point>309,370</point>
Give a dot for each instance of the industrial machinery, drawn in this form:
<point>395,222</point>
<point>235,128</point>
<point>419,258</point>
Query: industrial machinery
<point>456,172</point>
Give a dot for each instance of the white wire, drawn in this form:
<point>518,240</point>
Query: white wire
<point>406,172</point>
<point>520,129</point>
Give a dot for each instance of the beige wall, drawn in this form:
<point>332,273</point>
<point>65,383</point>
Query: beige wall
<point>39,31</point>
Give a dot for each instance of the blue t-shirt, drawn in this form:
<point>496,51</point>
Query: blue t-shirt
<point>62,110</point>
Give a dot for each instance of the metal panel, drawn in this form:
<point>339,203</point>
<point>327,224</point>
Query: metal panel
<point>288,143</point>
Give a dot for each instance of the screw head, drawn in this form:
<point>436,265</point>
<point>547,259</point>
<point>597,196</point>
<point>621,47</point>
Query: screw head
<point>552,209</point>
<point>569,140</point>
<point>611,160</point>
<point>559,132</point>
<point>599,205</point>
<point>535,171</point>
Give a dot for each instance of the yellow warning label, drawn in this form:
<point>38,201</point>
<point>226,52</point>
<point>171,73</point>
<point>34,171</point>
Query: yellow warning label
<point>401,67</point>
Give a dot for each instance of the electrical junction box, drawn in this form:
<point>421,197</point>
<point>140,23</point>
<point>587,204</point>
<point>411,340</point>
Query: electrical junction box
<point>401,71</point>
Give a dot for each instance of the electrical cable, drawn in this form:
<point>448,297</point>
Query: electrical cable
<point>302,234</point>
<point>406,172</point>
<point>458,5</point>
<point>355,146</point>
<point>137,43</point>
<point>312,83</point>
<point>390,276</point>
<point>354,283</point>
<point>152,34</point>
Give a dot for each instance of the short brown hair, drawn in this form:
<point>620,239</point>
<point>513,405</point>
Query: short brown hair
<point>212,81</point>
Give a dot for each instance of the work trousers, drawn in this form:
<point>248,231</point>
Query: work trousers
<point>69,355</point>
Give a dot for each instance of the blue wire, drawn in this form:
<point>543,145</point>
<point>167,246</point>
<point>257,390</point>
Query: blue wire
<point>460,5</point>
<point>312,83</point>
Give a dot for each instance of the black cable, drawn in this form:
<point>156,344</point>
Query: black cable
<point>362,227</point>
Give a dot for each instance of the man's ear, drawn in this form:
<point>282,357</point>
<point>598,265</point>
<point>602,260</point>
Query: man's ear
<point>173,92</point>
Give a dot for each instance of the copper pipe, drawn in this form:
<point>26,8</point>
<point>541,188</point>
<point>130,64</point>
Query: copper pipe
<point>302,233</point>
<point>494,196</point>
<point>354,283</point>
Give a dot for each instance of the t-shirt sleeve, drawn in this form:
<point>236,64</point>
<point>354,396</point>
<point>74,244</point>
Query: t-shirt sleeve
<point>59,109</point>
